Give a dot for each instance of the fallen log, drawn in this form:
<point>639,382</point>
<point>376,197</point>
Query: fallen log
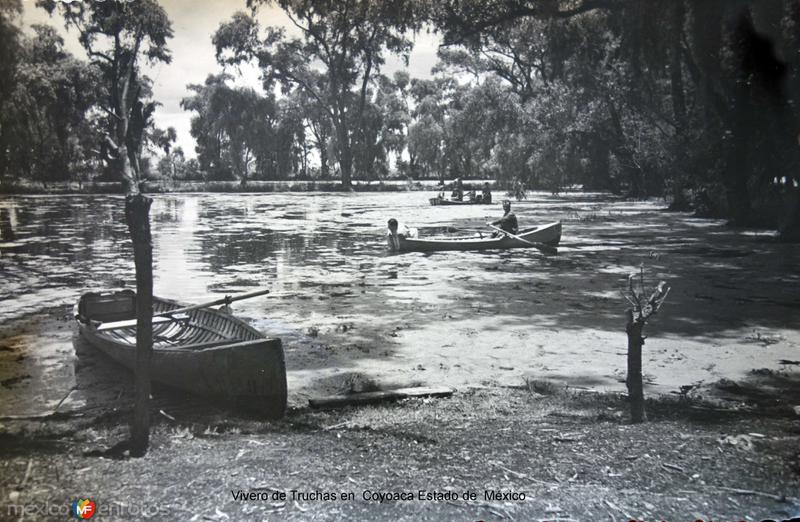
<point>337,401</point>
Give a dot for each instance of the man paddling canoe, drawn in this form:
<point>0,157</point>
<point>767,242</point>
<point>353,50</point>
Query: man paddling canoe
<point>508,222</point>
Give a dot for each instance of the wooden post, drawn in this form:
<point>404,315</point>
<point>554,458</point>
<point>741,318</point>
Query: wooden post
<point>634,379</point>
<point>137,214</point>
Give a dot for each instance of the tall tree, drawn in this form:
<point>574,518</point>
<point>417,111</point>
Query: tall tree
<point>239,132</point>
<point>117,37</point>
<point>317,122</point>
<point>348,39</point>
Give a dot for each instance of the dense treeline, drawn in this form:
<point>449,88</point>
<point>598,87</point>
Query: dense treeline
<point>46,101</point>
<point>63,118</point>
<point>645,97</point>
<point>693,100</point>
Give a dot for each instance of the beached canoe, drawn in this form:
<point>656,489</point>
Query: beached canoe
<point>549,235</point>
<point>437,201</point>
<point>204,351</point>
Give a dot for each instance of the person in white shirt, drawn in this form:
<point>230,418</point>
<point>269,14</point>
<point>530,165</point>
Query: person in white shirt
<point>398,231</point>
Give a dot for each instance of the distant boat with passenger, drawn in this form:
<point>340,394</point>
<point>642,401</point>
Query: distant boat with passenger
<point>439,200</point>
<point>460,197</point>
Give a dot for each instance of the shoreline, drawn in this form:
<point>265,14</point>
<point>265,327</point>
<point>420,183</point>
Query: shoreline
<point>28,188</point>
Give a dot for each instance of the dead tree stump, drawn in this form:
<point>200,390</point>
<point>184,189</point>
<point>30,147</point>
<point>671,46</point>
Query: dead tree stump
<point>634,379</point>
<point>637,317</point>
<point>137,215</point>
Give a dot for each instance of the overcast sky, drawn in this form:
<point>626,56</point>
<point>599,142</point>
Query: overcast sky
<point>194,21</point>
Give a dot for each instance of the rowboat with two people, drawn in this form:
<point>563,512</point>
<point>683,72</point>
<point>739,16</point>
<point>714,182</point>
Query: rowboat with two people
<point>506,235</point>
<point>196,348</point>
<point>544,237</point>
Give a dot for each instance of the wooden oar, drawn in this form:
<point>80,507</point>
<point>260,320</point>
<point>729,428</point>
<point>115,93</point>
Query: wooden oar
<point>179,314</point>
<point>541,246</point>
<point>451,230</point>
<point>225,300</point>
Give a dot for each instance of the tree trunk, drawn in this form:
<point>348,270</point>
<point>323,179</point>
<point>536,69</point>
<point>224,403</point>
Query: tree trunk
<point>137,214</point>
<point>634,379</point>
<point>676,76</point>
<point>706,37</point>
<point>598,176</point>
<point>324,170</point>
<point>625,155</point>
<point>129,182</point>
<point>737,191</point>
<point>345,155</point>
<point>741,121</point>
<point>790,228</point>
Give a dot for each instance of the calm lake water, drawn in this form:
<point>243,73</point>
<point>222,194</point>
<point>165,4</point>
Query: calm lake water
<point>312,246</point>
<point>349,310</point>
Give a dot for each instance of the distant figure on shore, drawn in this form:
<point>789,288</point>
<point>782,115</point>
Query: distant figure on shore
<point>487,194</point>
<point>508,222</point>
<point>397,232</point>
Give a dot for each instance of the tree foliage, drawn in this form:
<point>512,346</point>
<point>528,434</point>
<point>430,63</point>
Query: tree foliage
<point>241,134</point>
<point>342,45</point>
<point>643,97</point>
<point>117,36</point>
<point>47,122</point>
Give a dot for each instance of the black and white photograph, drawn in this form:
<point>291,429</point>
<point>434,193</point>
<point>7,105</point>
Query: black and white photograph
<point>402,260</point>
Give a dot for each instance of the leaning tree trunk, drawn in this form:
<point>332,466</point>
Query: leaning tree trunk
<point>137,214</point>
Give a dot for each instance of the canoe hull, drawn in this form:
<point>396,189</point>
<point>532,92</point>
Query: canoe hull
<point>436,202</point>
<point>549,234</point>
<point>240,365</point>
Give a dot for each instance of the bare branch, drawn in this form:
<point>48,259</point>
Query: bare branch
<point>523,10</point>
<point>632,290</point>
<point>111,143</point>
<point>627,298</point>
<point>661,300</point>
<point>96,54</point>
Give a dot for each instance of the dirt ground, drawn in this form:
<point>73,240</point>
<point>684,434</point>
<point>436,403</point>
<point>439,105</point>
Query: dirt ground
<point>556,455</point>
